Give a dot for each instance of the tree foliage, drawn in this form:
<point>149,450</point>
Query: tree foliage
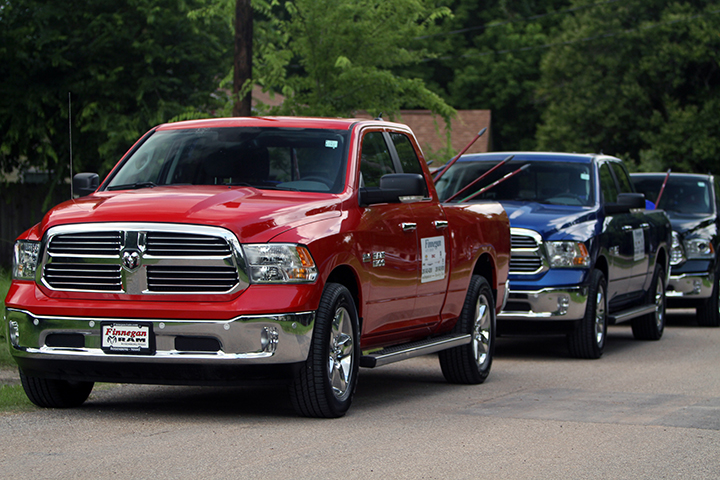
<point>338,57</point>
<point>639,79</point>
<point>487,56</point>
<point>127,64</point>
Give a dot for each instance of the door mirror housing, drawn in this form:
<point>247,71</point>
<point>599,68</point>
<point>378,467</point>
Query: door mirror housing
<point>625,203</point>
<point>394,188</point>
<point>85,183</point>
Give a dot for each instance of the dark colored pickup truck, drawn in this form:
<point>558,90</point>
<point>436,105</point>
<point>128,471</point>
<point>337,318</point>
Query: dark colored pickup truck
<point>585,252</point>
<point>692,203</point>
<point>286,249</point>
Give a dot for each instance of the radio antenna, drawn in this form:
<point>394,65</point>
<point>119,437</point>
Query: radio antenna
<point>72,194</point>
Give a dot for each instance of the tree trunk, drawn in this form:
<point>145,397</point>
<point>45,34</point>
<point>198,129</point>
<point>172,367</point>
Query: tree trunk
<point>242,107</point>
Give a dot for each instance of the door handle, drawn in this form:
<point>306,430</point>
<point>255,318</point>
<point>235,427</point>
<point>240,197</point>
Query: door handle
<point>407,226</point>
<point>440,224</point>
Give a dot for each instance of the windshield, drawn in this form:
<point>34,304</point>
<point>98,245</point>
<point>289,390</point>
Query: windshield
<point>681,195</point>
<point>310,160</point>
<point>555,183</point>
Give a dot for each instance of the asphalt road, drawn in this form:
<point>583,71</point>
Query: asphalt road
<point>644,410</point>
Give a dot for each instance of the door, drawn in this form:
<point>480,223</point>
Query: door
<point>388,236</point>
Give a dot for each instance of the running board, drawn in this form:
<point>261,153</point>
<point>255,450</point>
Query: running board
<point>413,349</point>
<point>626,315</point>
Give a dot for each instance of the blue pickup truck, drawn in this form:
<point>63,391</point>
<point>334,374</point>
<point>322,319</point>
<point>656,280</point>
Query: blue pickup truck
<point>585,251</point>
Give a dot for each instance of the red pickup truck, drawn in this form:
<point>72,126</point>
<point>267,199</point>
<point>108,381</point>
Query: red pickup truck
<point>223,250</point>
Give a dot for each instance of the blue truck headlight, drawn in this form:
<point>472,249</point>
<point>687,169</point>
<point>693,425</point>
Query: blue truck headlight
<point>25,259</point>
<point>567,254</point>
<point>279,263</point>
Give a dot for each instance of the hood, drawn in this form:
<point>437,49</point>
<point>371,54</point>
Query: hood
<point>253,215</point>
<point>553,222</point>
<point>684,223</point>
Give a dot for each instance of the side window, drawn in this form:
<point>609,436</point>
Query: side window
<point>409,160</point>
<point>622,177</point>
<point>406,153</point>
<point>607,185</point>
<point>375,160</point>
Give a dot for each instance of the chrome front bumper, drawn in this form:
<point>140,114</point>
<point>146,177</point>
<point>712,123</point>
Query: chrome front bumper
<point>563,303</point>
<point>243,340</point>
<point>690,285</point>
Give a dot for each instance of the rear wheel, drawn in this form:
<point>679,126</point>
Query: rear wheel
<point>652,325</point>
<point>708,313</point>
<point>470,364</point>
<point>324,386</point>
<point>51,393</point>
<point>587,339</point>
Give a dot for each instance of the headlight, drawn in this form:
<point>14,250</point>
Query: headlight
<point>567,254</point>
<point>698,248</point>
<point>279,263</point>
<point>676,251</point>
<point>25,259</point>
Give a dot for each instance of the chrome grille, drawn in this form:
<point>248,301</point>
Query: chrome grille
<point>83,276</point>
<point>185,245</point>
<point>90,243</point>
<point>191,279</point>
<point>522,264</point>
<point>522,241</point>
<point>142,259</point>
<point>526,257</point>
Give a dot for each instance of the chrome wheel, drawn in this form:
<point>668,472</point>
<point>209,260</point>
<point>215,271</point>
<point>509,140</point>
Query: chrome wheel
<point>659,305</point>
<point>340,355</point>
<point>470,364</point>
<point>482,330</point>
<point>600,315</point>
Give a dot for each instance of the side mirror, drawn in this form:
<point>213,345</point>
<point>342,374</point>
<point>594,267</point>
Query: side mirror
<point>626,202</point>
<point>394,188</point>
<point>85,183</point>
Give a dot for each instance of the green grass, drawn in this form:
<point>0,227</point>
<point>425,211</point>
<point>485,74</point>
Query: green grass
<point>5,358</point>
<point>13,399</point>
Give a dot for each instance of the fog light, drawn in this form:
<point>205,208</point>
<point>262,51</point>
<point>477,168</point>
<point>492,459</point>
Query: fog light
<point>563,302</point>
<point>268,340</point>
<point>14,333</point>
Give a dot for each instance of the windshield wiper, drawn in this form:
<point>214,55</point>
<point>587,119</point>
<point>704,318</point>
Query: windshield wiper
<point>132,186</point>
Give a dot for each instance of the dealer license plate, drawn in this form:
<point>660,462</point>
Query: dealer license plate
<point>128,338</point>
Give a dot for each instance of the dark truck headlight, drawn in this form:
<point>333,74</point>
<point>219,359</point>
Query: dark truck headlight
<point>698,248</point>
<point>25,260</point>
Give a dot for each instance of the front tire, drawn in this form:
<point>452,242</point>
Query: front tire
<point>652,325</point>
<point>587,340</point>
<point>708,313</point>
<point>324,386</point>
<point>51,393</point>
<point>470,364</point>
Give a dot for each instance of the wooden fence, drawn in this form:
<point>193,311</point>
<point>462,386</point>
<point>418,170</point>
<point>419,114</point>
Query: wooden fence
<point>21,207</point>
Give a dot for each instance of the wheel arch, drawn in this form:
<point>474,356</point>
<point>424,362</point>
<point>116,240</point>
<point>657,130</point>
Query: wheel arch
<point>346,276</point>
<point>485,267</point>
<point>602,264</point>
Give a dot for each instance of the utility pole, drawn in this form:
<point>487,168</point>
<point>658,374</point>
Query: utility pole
<point>242,107</point>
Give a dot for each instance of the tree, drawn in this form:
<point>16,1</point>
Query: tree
<point>487,56</point>
<point>128,65</point>
<point>337,57</point>
<point>638,79</point>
